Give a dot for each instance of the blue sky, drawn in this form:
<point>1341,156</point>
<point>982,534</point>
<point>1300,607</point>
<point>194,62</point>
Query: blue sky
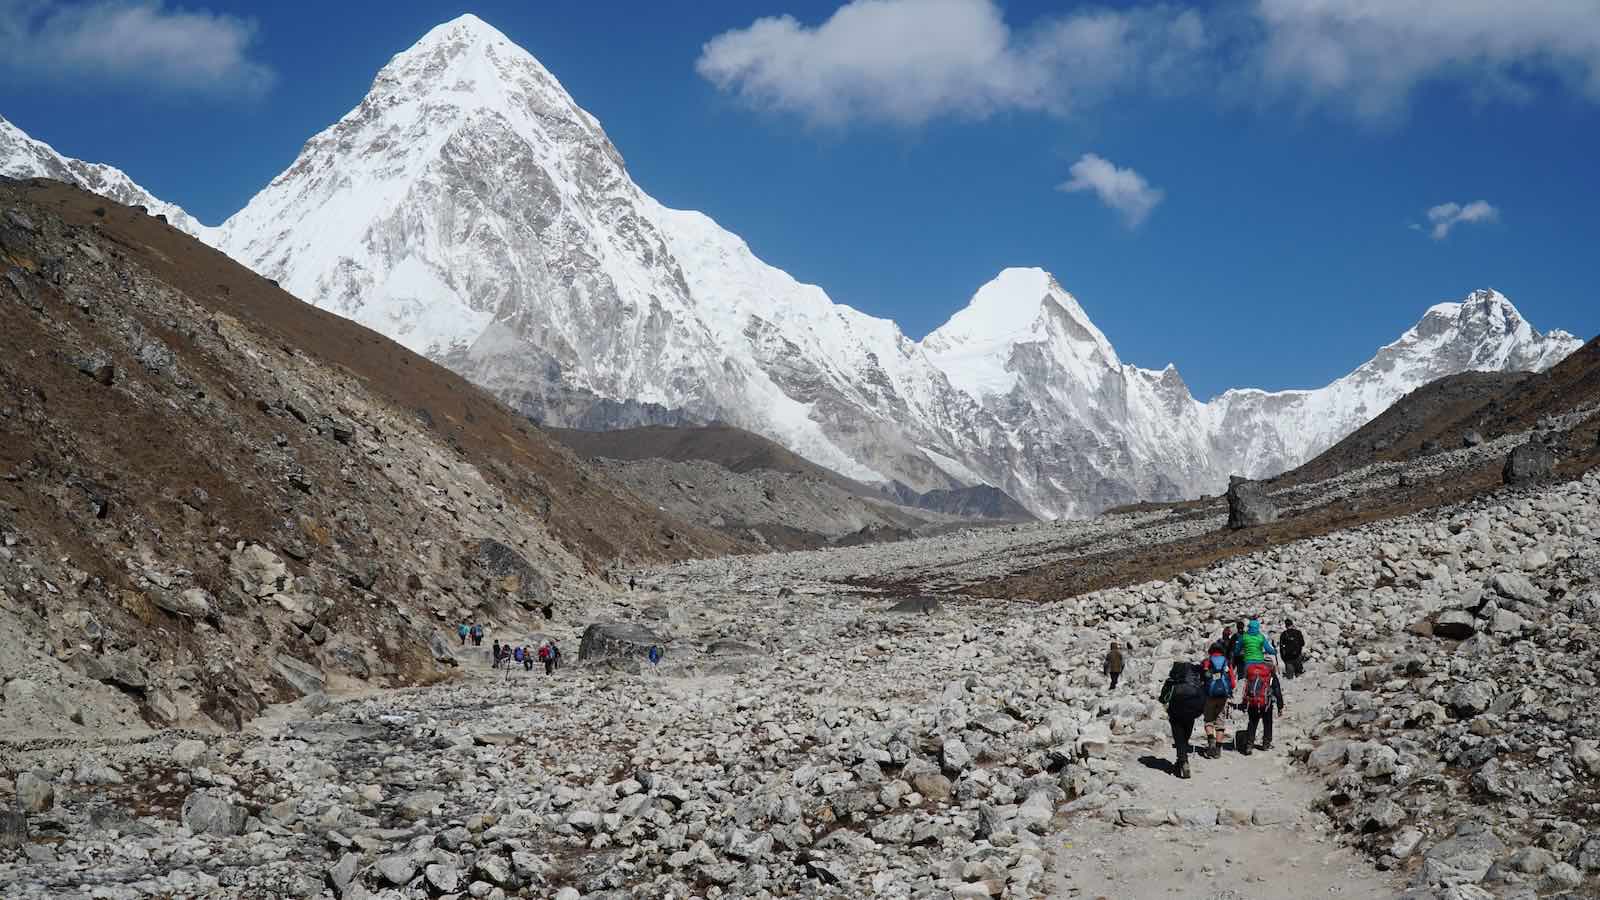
<point>1254,177</point>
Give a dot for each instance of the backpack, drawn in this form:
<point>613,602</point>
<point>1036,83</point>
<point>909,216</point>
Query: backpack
<point>1217,684</point>
<point>1258,687</point>
<point>1185,685</point>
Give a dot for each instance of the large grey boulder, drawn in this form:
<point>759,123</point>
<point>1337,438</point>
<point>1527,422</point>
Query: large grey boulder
<point>35,794</point>
<point>602,640</point>
<point>302,676</point>
<point>1248,505</point>
<point>1529,462</point>
<point>207,813</point>
<point>1455,624</point>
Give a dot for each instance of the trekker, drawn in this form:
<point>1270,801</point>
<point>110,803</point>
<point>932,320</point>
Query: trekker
<point>547,656</point>
<point>477,635</point>
<point>1262,692</point>
<point>516,655</point>
<point>631,583</point>
<point>463,632</point>
<point>1219,690</point>
<point>496,664</point>
<point>1113,666</point>
<point>1234,650</point>
<point>1255,647</point>
<point>1184,693</point>
<point>1293,644</point>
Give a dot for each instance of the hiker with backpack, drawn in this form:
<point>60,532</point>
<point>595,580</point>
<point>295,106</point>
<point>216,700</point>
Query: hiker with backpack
<point>1114,664</point>
<point>1218,672</point>
<point>547,655</point>
<point>1293,644</point>
<point>1262,692</point>
<point>516,655</point>
<point>1236,650</point>
<point>462,631</point>
<point>1184,695</point>
<point>496,655</point>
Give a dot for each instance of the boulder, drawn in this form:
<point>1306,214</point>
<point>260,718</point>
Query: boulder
<point>302,676</point>
<point>35,793</point>
<point>1528,463</point>
<point>259,571</point>
<point>507,569</point>
<point>602,640</point>
<point>1455,625</point>
<point>1248,505</point>
<point>1516,586</point>
<point>195,603</point>
<point>1468,699</point>
<point>212,814</point>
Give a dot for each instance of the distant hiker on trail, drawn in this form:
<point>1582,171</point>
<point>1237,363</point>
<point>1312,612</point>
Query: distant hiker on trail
<point>654,655</point>
<point>1114,663</point>
<point>496,664</point>
<point>477,635</point>
<point>1184,693</point>
<point>547,655</point>
<point>516,655</point>
<point>555,656</point>
<point>1293,644</point>
<point>527,659</point>
<point>1262,691</point>
<point>1219,690</point>
<point>631,583</point>
<point>463,632</point>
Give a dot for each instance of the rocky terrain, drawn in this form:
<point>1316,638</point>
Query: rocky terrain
<point>214,498</point>
<point>756,491</point>
<point>877,720</point>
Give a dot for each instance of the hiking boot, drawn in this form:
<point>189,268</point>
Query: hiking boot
<point>1183,770</point>
<point>1245,750</point>
<point>1264,745</point>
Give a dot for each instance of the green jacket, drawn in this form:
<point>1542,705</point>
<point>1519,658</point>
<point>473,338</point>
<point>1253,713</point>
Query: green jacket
<point>1252,647</point>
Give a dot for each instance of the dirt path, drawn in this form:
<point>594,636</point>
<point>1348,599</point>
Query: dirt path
<point>1293,854</point>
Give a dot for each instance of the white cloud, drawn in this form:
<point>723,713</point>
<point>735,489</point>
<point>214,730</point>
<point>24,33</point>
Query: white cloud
<point>130,42</point>
<point>909,61</point>
<point>1124,190</point>
<point>1371,55</point>
<point>1446,216</point>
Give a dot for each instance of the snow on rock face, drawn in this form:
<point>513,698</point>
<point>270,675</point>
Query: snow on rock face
<point>24,157</point>
<point>468,208</point>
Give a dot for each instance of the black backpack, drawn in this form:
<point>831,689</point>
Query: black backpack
<point>1185,687</point>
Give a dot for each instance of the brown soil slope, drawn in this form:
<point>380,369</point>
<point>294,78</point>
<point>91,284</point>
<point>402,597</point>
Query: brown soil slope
<point>213,496</point>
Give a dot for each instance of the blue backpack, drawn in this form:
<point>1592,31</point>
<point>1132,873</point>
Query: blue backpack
<point>1217,677</point>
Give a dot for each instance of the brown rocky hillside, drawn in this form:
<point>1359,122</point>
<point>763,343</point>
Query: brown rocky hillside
<point>214,496</point>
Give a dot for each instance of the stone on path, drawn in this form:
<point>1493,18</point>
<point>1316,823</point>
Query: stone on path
<point>1248,505</point>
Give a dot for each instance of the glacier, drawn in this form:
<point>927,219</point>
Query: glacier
<point>468,208</point>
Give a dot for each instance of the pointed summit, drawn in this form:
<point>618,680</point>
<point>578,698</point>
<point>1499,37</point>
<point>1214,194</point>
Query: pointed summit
<point>1019,306</point>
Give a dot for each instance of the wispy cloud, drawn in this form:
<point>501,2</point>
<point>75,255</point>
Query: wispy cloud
<point>1446,216</point>
<point>1123,190</point>
<point>906,62</point>
<point>131,42</point>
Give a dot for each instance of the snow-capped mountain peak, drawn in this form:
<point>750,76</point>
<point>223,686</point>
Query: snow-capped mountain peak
<point>22,156</point>
<point>470,209</point>
<point>1019,306</point>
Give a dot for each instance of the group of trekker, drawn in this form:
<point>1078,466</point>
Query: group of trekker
<point>1243,657</point>
<point>473,633</point>
<point>506,656</point>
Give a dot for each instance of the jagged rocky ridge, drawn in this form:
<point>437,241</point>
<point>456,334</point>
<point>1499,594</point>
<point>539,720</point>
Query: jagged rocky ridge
<point>471,210</point>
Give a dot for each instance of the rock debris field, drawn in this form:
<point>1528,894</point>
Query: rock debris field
<point>803,737</point>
